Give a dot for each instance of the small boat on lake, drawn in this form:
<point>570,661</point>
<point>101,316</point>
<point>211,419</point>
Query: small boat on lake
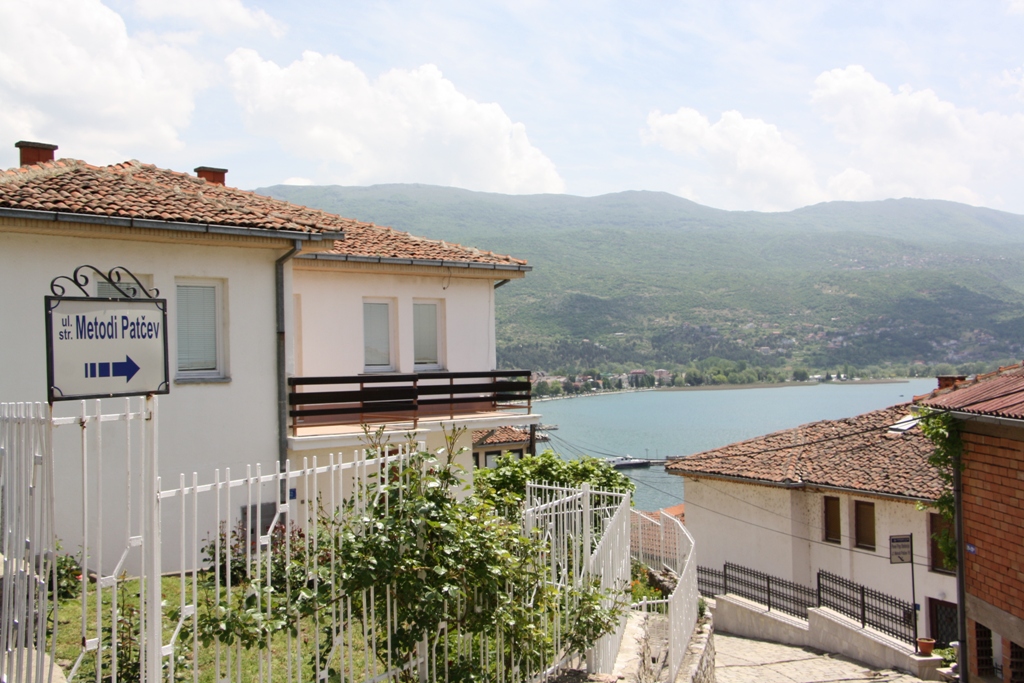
<point>624,462</point>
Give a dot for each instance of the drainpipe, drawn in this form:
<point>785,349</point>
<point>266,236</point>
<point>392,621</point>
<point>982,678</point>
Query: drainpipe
<point>282,382</point>
<point>963,658</point>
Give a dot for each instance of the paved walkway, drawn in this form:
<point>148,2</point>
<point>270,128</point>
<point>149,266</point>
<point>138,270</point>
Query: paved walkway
<point>743,660</point>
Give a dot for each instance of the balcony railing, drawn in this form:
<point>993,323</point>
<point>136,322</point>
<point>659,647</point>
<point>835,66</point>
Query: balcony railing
<point>376,399</point>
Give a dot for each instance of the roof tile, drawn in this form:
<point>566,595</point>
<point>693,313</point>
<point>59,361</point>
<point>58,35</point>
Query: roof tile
<point>501,435</point>
<point>858,453</point>
<point>999,394</point>
<point>135,190</point>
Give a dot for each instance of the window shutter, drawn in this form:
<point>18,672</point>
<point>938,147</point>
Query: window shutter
<point>197,327</point>
<point>865,521</point>
<point>424,324</point>
<point>377,334</point>
<point>833,528</point>
<point>105,290</point>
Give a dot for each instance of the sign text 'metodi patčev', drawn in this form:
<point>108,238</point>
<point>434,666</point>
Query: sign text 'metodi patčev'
<point>105,347</point>
<point>113,328</point>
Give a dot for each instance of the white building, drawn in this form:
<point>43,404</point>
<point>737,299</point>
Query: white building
<point>260,294</point>
<point>825,496</point>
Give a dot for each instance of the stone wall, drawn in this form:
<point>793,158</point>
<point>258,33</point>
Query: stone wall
<point>699,662</point>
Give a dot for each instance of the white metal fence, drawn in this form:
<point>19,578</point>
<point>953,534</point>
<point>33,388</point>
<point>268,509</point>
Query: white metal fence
<point>588,533</point>
<point>26,520</point>
<point>665,544</point>
<point>241,549</point>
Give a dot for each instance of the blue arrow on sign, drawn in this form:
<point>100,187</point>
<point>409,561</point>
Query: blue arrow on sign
<point>127,369</point>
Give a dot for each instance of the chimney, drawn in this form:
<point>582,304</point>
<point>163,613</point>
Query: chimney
<point>34,152</point>
<point>211,175</point>
<point>946,381</point>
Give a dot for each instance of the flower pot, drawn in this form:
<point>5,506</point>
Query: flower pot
<point>925,646</point>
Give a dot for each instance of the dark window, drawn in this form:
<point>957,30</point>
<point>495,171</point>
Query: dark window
<point>944,624</point>
<point>864,519</point>
<point>833,529</point>
<point>983,650</point>
<point>937,524</point>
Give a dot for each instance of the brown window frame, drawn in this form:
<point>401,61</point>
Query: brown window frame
<point>935,557</point>
<point>860,532</point>
<point>829,520</point>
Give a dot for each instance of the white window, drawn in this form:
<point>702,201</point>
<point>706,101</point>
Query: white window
<point>426,325</point>
<point>377,336</point>
<point>200,334</point>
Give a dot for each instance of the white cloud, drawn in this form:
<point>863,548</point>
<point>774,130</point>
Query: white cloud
<point>852,184</point>
<point>902,143</point>
<point>216,15</point>
<point>760,168</point>
<point>296,181</point>
<point>912,143</point>
<point>1013,78</point>
<point>405,126</point>
<point>70,74</point>
<point>1015,7</point>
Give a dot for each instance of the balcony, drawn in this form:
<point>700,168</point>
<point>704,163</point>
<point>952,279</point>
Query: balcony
<point>326,405</point>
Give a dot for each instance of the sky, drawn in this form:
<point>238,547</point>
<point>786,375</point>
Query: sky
<point>767,106</point>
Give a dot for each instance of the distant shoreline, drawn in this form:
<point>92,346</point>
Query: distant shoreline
<point>727,387</point>
<point>782,385</point>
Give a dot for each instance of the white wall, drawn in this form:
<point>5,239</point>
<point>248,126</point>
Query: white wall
<point>330,307</point>
<point>747,525</point>
<point>780,531</point>
<point>202,426</point>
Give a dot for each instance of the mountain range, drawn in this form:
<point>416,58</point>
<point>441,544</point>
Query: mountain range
<point>652,279</point>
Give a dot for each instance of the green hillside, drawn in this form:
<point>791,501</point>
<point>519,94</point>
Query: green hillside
<point>648,278</point>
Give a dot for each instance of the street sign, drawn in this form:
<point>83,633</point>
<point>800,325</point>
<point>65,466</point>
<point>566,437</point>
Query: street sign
<point>901,549</point>
<point>100,348</point>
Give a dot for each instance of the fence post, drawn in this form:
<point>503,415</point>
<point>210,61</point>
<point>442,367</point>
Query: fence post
<point>586,529</point>
<point>154,616</point>
<point>818,576</point>
<point>422,653</point>
<point>863,610</point>
<point>725,579</point>
<point>768,580</point>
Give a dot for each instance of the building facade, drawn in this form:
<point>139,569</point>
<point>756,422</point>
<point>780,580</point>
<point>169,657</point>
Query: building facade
<point>826,496</point>
<point>989,412</point>
<point>267,302</point>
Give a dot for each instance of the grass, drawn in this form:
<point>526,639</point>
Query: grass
<point>286,656</point>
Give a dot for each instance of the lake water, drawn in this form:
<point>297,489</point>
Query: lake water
<point>655,424</point>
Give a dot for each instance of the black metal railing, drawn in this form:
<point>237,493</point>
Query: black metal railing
<point>777,593</point>
<point>885,613</point>
<point>882,612</point>
<point>389,397</point>
<point>709,582</point>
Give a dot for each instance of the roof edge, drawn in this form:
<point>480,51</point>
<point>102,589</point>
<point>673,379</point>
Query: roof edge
<point>151,224</point>
<point>803,485</point>
<point>437,263</point>
<point>983,417</point>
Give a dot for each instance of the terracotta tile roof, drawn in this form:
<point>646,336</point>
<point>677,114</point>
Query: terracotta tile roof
<point>859,453</point>
<point>499,436</point>
<point>374,241</point>
<point>999,394</point>
<point>132,190</point>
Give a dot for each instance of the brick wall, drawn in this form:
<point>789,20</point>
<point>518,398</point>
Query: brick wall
<point>993,503</point>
